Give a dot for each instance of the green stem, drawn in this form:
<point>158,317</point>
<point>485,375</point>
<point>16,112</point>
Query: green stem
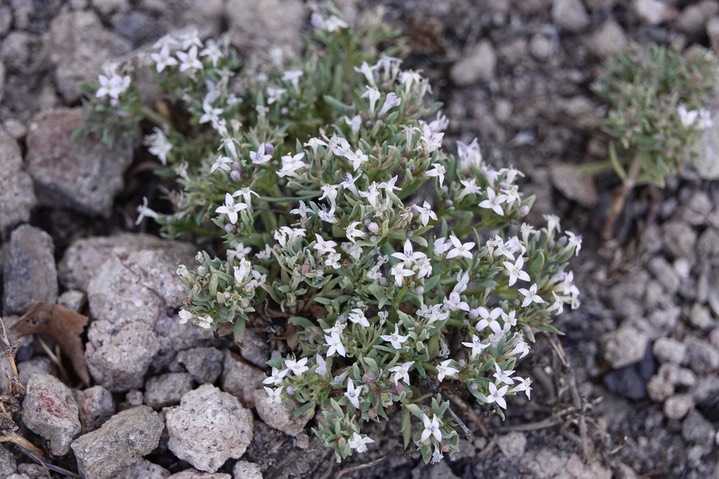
<point>595,168</point>
<point>154,117</point>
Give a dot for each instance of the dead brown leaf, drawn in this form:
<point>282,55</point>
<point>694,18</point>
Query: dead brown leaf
<point>63,326</point>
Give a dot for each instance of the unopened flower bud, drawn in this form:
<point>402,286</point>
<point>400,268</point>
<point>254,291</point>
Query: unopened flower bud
<point>523,210</point>
<point>373,227</point>
<point>290,390</point>
<point>474,386</point>
<point>269,148</point>
<point>462,363</point>
<point>419,290</point>
<point>201,270</point>
<point>229,227</point>
<point>236,166</point>
<point>235,175</point>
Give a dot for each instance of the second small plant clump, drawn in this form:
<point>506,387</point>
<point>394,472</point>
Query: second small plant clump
<point>393,271</point>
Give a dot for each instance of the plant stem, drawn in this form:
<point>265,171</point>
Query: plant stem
<point>620,198</point>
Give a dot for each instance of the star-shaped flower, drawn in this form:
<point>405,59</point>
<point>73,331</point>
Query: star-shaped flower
<point>230,208</point>
<point>431,428</point>
<point>395,339</point>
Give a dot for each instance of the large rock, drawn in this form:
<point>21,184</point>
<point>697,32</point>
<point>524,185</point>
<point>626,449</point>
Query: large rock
<point>133,303</point>
<point>17,196</point>
<point>79,46</point>
<point>29,272</point>
<point>208,427</point>
<point>96,406</point>
<point>280,415</point>
<point>50,410</point>
<point>116,449</point>
<point>240,378</point>
<point>479,63</point>
<point>83,258</point>
<point>258,26</point>
<point>84,174</point>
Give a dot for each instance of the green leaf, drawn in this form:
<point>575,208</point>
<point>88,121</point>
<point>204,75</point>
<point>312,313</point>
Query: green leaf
<point>335,104</point>
<point>406,426</point>
<point>304,409</point>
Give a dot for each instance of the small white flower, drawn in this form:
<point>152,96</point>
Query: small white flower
<point>145,212</point>
<point>290,165</point>
<point>497,395</point>
<point>163,59</point>
<point>438,171</point>
<point>503,376</point>
<point>399,272</point>
<point>213,52</point>
<point>477,346</point>
<point>552,224</point>
<point>230,208</point>
<point>373,95</point>
<point>221,163</point>
<point>460,249</point>
<point>189,61</point>
<point>514,270</point>
<point>494,202</point>
<point>210,114</point>
<point>246,194</point>
<point>395,339</point>
<point>297,367</point>
<point>401,372</point>
<point>276,377</point>
<point>158,145</point>
<point>441,246</point>
<point>358,317</point>
<point>334,343</point>
<point>523,385</point>
<point>274,394</point>
<point>112,84</point>
<point>321,368</point>
<point>574,241</point>
<point>353,394</point>
<point>359,443</point>
<point>454,302</point>
<point>292,76</point>
<point>425,213</point>
<point>367,71</point>
<point>444,369</point>
<point>353,233</point>
<point>205,322</point>
<point>431,428</point>
<point>687,118</point>
<point>705,119</point>
<point>530,296</point>
<point>431,141</point>
<point>391,101</point>
<point>184,316</point>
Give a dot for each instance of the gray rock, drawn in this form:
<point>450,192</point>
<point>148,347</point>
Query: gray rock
<point>29,272</point>
<point>8,465</point>
<point>135,26</point>
<point>256,26</point>
<point>50,410</point>
<point>84,174</point>
<point>659,388</point>
<point>705,162</point>
<point>608,40</point>
<point>2,80</point>
<point>116,449</point>
<point>5,19</point>
<point>19,476</point>
<point>627,297</point>
<point>85,256</point>
<point>135,398</point>
<point>696,429</point>
<point>108,7</point>
<point>512,444</point>
<point>542,46</point>
<point>703,356</point>
<point>665,274</point>
<point>651,12</point>
<point>678,406</point>
<point>694,17</point>
<point>677,376</point>
<point>203,364</point>
<point>194,474</point>
<point>570,15</point>
<point>479,63</point>
<point>133,302</point>
<point>663,321</point>
<point>95,406</point>
<point>669,350</point>
<point>203,416</point>
<point>241,379</point>
<point>118,357</point>
<point>167,389</point>
<point>40,364</point>
<point>255,347</point>
<point>701,318</point>
<point>280,416</point>
<point>679,239</point>
<point>147,470</point>
<point>600,4</point>
<point>712,30</point>
<point>246,470</point>
<point>624,346</point>
<point>16,50</point>
<point>73,299</point>
<point>79,46</point>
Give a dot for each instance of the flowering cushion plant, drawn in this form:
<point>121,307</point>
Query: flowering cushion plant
<point>392,270</point>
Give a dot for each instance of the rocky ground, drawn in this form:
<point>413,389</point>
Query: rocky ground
<point>631,390</point>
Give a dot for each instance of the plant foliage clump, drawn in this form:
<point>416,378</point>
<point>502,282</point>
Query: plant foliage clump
<point>395,271</point>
